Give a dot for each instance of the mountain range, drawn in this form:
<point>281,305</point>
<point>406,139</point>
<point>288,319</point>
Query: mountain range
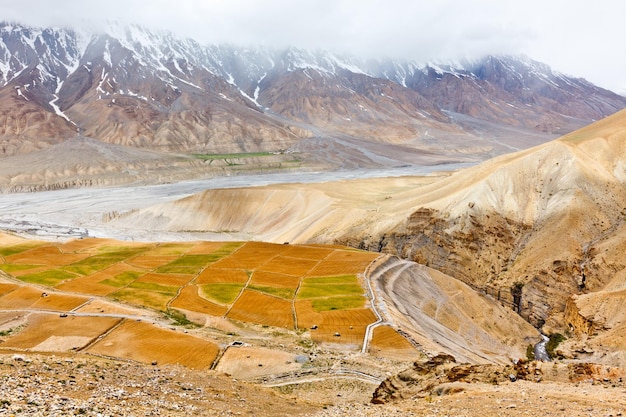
<point>128,85</point>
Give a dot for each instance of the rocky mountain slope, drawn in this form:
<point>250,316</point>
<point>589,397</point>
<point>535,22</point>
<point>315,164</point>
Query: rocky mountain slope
<point>132,86</point>
<point>541,230</point>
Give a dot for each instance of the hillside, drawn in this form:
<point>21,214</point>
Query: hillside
<point>541,230</point>
<point>82,331</point>
<point>126,85</point>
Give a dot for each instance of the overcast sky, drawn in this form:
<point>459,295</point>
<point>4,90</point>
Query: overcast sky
<point>580,38</point>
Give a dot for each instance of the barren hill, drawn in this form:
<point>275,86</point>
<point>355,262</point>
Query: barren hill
<point>127,85</point>
<point>541,229</point>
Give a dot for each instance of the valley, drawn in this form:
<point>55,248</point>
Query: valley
<point>217,230</point>
<point>178,241</point>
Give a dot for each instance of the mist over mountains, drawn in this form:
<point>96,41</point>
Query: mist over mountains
<point>132,86</point>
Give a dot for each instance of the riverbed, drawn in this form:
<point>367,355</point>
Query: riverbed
<point>62,214</point>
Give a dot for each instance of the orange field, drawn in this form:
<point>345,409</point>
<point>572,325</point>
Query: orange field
<point>87,285</point>
<point>45,255</point>
<point>262,283</point>
<point>83,245</point>
<point>273,279</point>
<point>43,327</point>
<point>260,308</point>
<point>350,324</point>
<point>142,342</point>
<point>59,302</point>
<point>215,275</point>
<point>342,262</point>
<point>20,298</point>
<point>386,341</point>
<point>251,256</point>
<point>189,299</point>
<point>205,248</point>
<point>307,252</point>
<point>288,265</point>
<point>6,288</point>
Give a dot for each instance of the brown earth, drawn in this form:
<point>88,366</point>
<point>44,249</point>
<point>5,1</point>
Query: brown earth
<point>541,230</point>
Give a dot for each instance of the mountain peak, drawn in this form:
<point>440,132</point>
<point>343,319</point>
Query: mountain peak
<point>127,84</point>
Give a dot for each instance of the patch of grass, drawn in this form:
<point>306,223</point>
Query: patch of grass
<point>123,279</point>
<point>10,331</point>
<point>152,286</point>
<point>122,251</point>
<point>22,247</point>
<point>337,279</point>
<point>530,352</point>
<point>217,156</point>
<point>109,255</point>
<point>228,248</point>
<point>555,340</point>
<point>222,293</point>
<point>321,291</point>
<point>338,303</point>
<point>8,268</point>
<point>89,265</point>
<point>179,318</point>
<point>50,278</point>
<point>339,286</point>
<point>150,299</point>
<point>286,293</point>
<point>188,264</point>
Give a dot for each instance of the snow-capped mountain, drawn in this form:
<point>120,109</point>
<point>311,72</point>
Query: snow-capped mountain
<point>132,86</point>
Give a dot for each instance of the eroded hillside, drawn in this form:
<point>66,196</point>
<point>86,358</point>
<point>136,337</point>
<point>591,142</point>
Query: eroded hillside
<point>540,230</point>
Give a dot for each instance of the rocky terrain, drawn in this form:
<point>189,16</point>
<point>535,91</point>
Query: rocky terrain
<point>539,230</point>
<point>479,262</point>
<point>68,385</point>
<point>126,85</point>
<point>43,385</point>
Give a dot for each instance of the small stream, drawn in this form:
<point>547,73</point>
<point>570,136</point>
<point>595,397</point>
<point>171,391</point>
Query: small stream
<point>541,353</point>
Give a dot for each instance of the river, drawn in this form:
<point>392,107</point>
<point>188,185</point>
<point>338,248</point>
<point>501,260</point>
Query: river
<point>78,212</point>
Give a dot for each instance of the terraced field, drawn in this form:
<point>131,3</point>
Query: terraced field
<point>297,287</point>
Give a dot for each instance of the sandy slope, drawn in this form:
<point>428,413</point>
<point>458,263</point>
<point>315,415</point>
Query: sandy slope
<point>444,315</point>
<point>550,219</point>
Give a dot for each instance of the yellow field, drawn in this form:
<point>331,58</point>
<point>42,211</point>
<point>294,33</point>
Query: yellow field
<point>342,326</point>
<point>284,286</point>
<point>260,308</point>
<point>20,298</point>
<point>145,343</point>
<point>78,331</point>
<point>189,299</point>
<point>214,275</point>
<point>273,279</point>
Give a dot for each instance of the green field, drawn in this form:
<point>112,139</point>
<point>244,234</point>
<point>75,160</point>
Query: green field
<point>280,292</point>
<point>218,156</point>
<point>49,278</point>
<point>153,275</point>
<point>221,293</point>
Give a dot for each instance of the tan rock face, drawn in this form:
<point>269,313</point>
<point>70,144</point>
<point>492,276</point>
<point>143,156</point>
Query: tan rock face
<point>442,375</point>
<point>534,249</point>
<point>530,229</point>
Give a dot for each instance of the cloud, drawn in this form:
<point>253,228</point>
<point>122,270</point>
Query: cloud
<point>576,37</point>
